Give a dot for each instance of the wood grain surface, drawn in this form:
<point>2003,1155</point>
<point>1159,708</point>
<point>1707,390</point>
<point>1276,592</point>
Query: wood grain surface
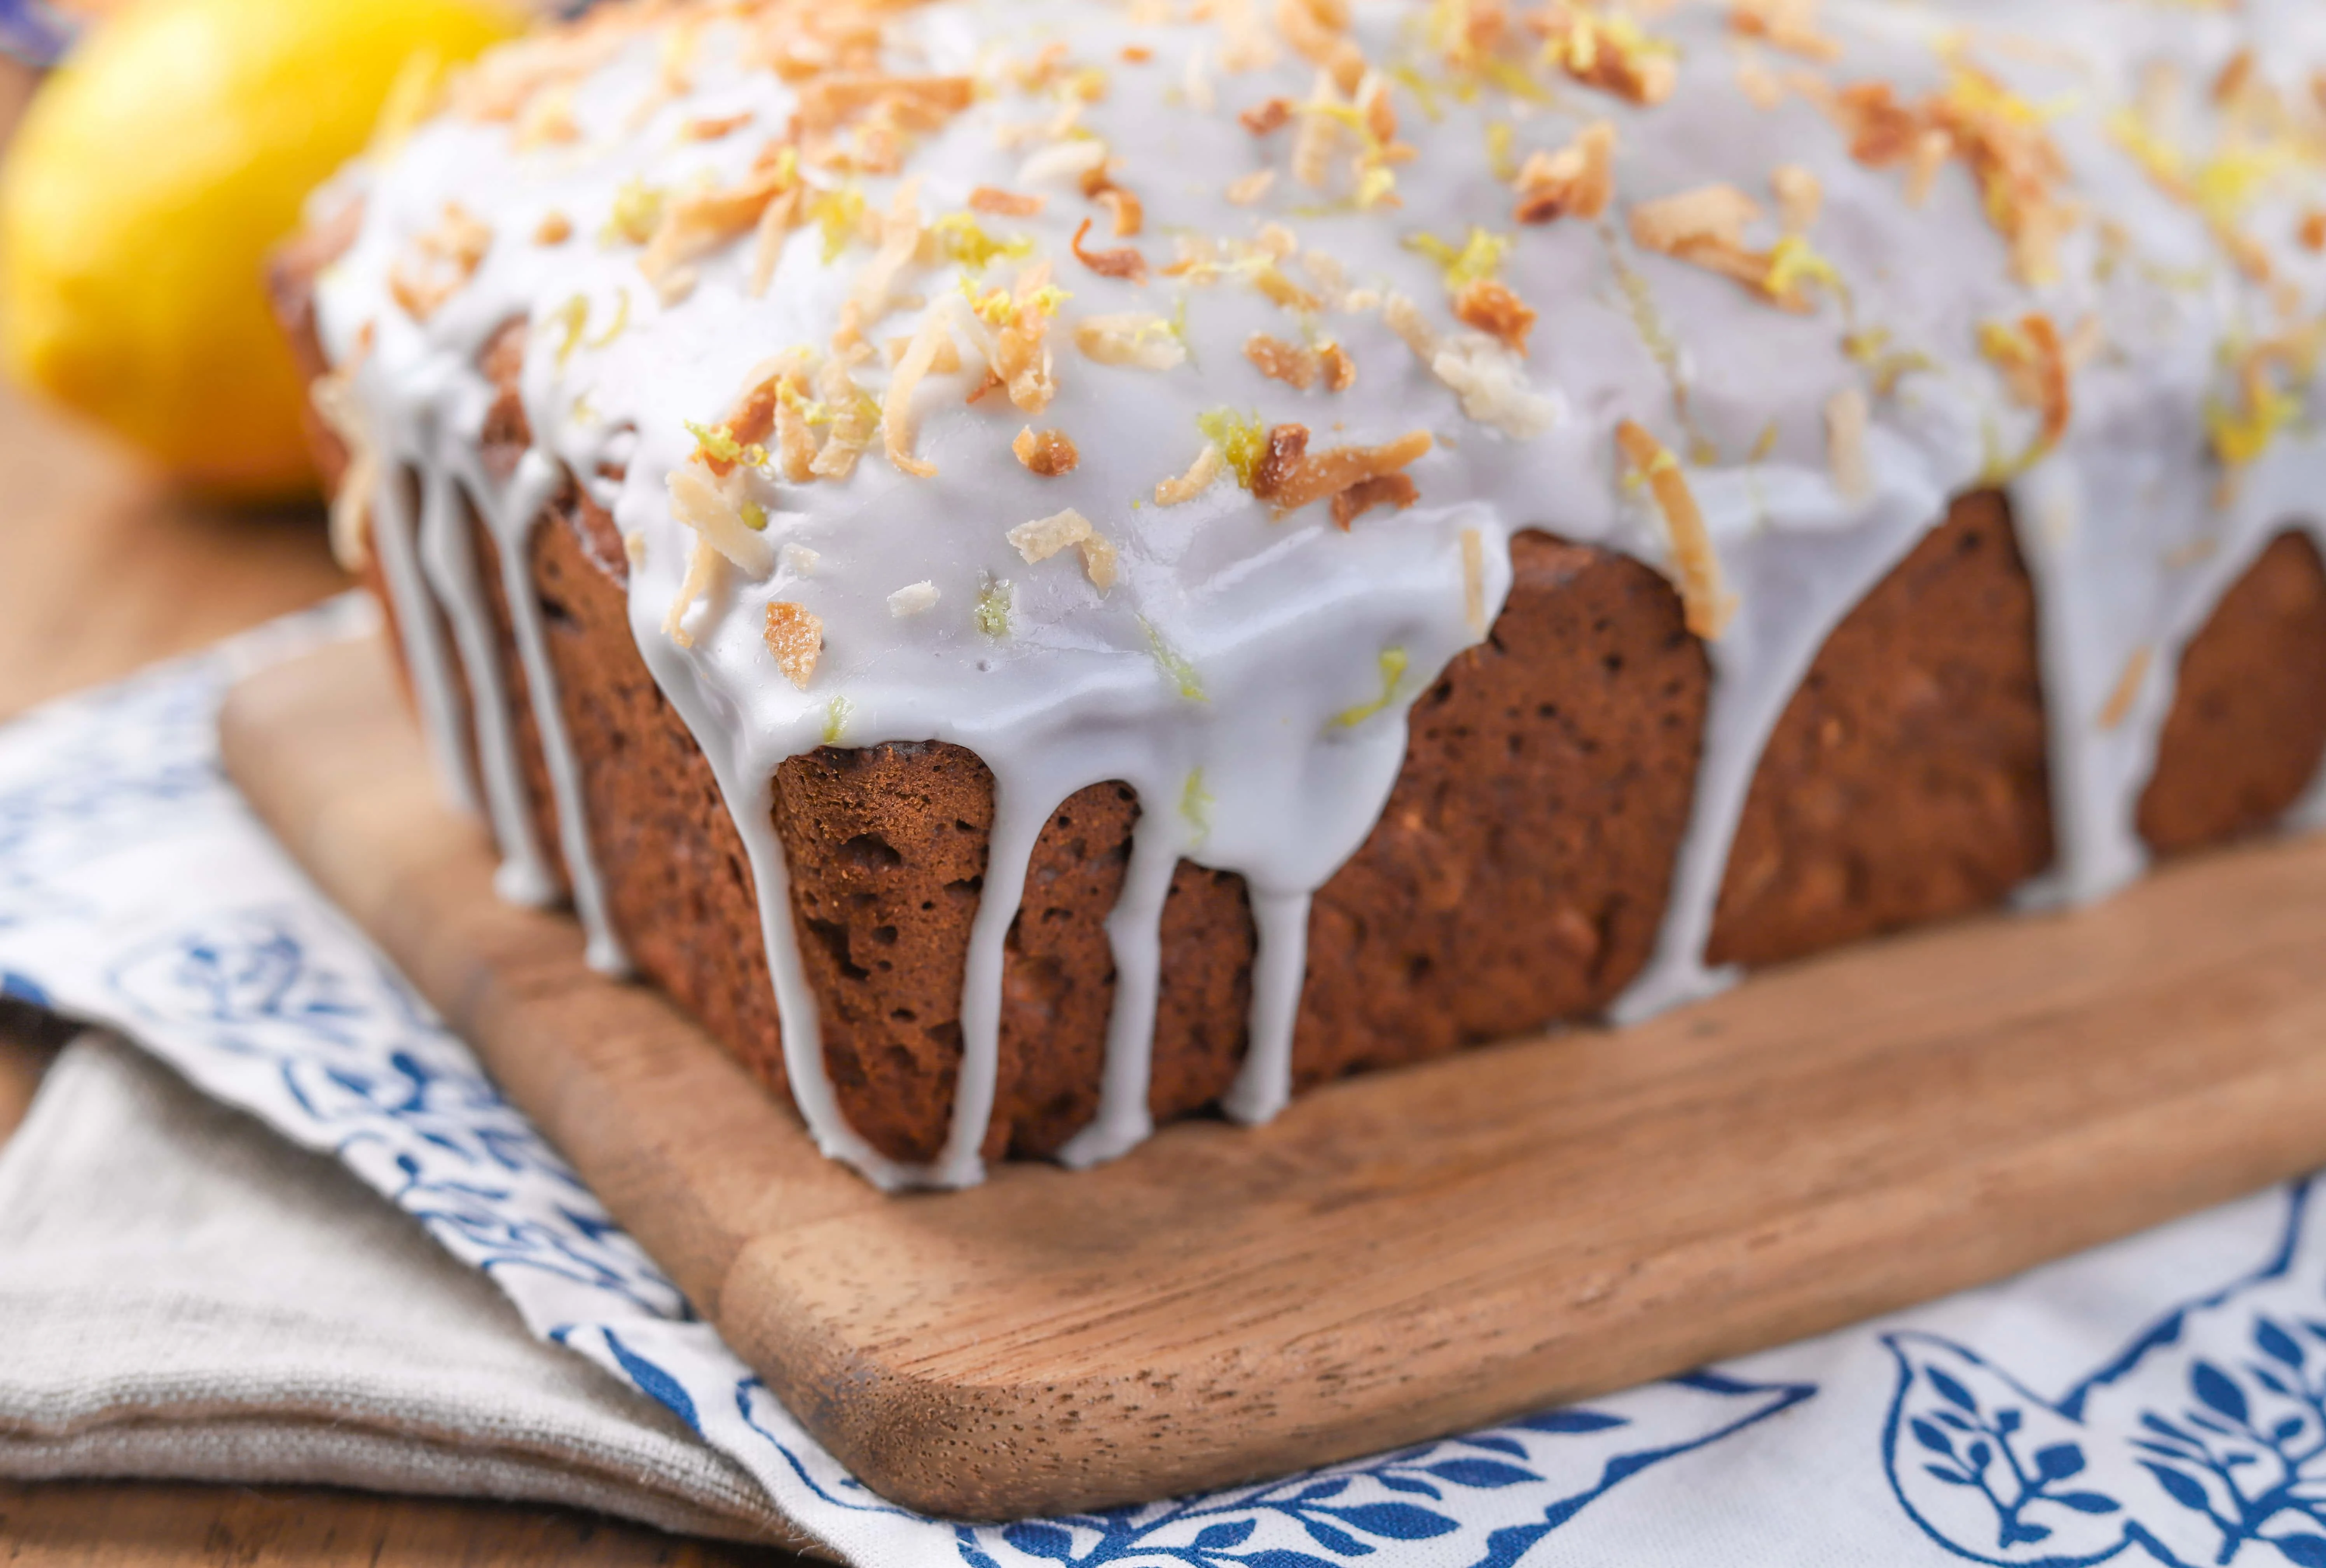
<point>1401,1253</point>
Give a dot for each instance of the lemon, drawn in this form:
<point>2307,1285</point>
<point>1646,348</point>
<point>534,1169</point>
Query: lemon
<point>148,181</point>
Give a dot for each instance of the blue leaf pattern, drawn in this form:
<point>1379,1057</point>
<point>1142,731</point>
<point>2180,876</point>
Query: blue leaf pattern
<point>2201,1445</point>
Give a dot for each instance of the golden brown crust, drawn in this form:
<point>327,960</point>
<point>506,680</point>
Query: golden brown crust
<point>1517,874</point>
<point>1906,780</point>
<point>2248,721</point>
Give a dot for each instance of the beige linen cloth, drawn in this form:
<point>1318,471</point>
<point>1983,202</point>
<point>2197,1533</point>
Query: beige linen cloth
<point>185,1295</point>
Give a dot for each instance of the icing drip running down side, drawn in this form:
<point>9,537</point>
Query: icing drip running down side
<point>1149,391</point>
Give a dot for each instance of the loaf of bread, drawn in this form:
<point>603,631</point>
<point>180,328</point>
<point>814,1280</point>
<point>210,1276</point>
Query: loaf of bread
<point>1043,566</point>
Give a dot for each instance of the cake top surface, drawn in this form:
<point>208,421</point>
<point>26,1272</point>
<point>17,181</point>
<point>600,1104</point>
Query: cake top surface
<point>1147,390</point>
<point>1108,338</point>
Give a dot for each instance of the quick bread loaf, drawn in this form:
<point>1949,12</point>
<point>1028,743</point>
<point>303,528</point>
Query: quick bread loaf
<point>1043,566</point>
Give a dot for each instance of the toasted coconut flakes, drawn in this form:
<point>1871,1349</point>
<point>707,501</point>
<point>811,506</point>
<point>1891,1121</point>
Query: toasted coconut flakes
<point>918,103</point>
<point>1270,281</point>
<point>448,256</point>
<point>1281,361</point>
<point>795,635</point>
<point>2234,77</point>
<point>798,560</point>
<point>795,450</point>
<point>752,417</point>
<point>1758,83</point>
<point>1206,468</point>
<point>1100,559</point>
<point>1250,45</point>
<point>634,546</point>
<point>1340,370</point>
<point>1493,309</point>
<point>929,342</point>
<point>1931,150</point>
<point>1577,180</point>
<point>912,599</point>
<point>1493,386</point>
<point>1266,117</point>
<point>2126,692</point>
<point>1068,160</point>
<point>1710,215</point>
<point>1404,318</point>
<point>1607,52</point>
<point>713,508</point>
<point>1474,580</point>
<point>1319,135</point>
<point>873,292</point>
<point>693,226</point>
<point>1125,209</point>
<point>711,128</point>
<point>554,228</point>
<point>1125,262</point>
<point>333,397</point>
<point>776,222</point>
<point>1133,337</point>
<point>547,119</point>
<point>1044,537</point>
<point>1704,593</point>
<point>1846,416</point>
<point>1005,204</point>
<point>1395,491</point>
<point>2084,344</point>
<point>1799,195</point>
<point>1251,188</point>
<point>1788,24</point>
<point>1020,357</point>
<point>1195,81</point>
<point>1046,453</point>
<point>1319,30</point>
<point>855,419</point>
<point>1289,477</point>
<point>704,566</point>
<point>1706,227</point>
<point>1136,54</point>
<point>2312,232</point>
<point>2034,365</point>
<point>1882,131</point>
<point>2000,139</point>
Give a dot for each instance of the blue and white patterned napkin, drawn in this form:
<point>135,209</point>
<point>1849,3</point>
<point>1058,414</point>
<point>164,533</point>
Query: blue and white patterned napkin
<point>2162,1400</point>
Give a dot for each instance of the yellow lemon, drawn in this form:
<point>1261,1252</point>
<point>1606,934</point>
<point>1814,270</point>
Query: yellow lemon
<point>148,181</point>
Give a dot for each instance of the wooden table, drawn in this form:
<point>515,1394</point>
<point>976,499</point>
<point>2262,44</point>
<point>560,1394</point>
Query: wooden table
<point>103,570</point>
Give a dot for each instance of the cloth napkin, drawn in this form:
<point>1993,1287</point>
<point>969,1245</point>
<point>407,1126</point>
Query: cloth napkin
<point>187,1296</point>
<point>175,1293</point>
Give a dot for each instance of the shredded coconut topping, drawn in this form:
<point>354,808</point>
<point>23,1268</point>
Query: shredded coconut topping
<point>795,635</point>
<point>1703,590</point>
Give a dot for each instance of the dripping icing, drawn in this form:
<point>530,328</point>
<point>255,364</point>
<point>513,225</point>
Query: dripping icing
<point>1280,626</point>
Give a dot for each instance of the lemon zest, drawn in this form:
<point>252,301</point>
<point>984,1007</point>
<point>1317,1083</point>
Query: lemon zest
<point>614,328</point>
<point>1393,662</point>
<point>1242,439</point>
<point>992,611</point>
<point>1173,664</point>
<point>961,238</point>
<point>1479,256</point>
<point>1196,803</point>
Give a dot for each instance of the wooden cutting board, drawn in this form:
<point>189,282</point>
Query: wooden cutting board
<point>1400,1255</point>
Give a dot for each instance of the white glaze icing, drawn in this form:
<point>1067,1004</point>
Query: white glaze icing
<point>1237,657</point>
